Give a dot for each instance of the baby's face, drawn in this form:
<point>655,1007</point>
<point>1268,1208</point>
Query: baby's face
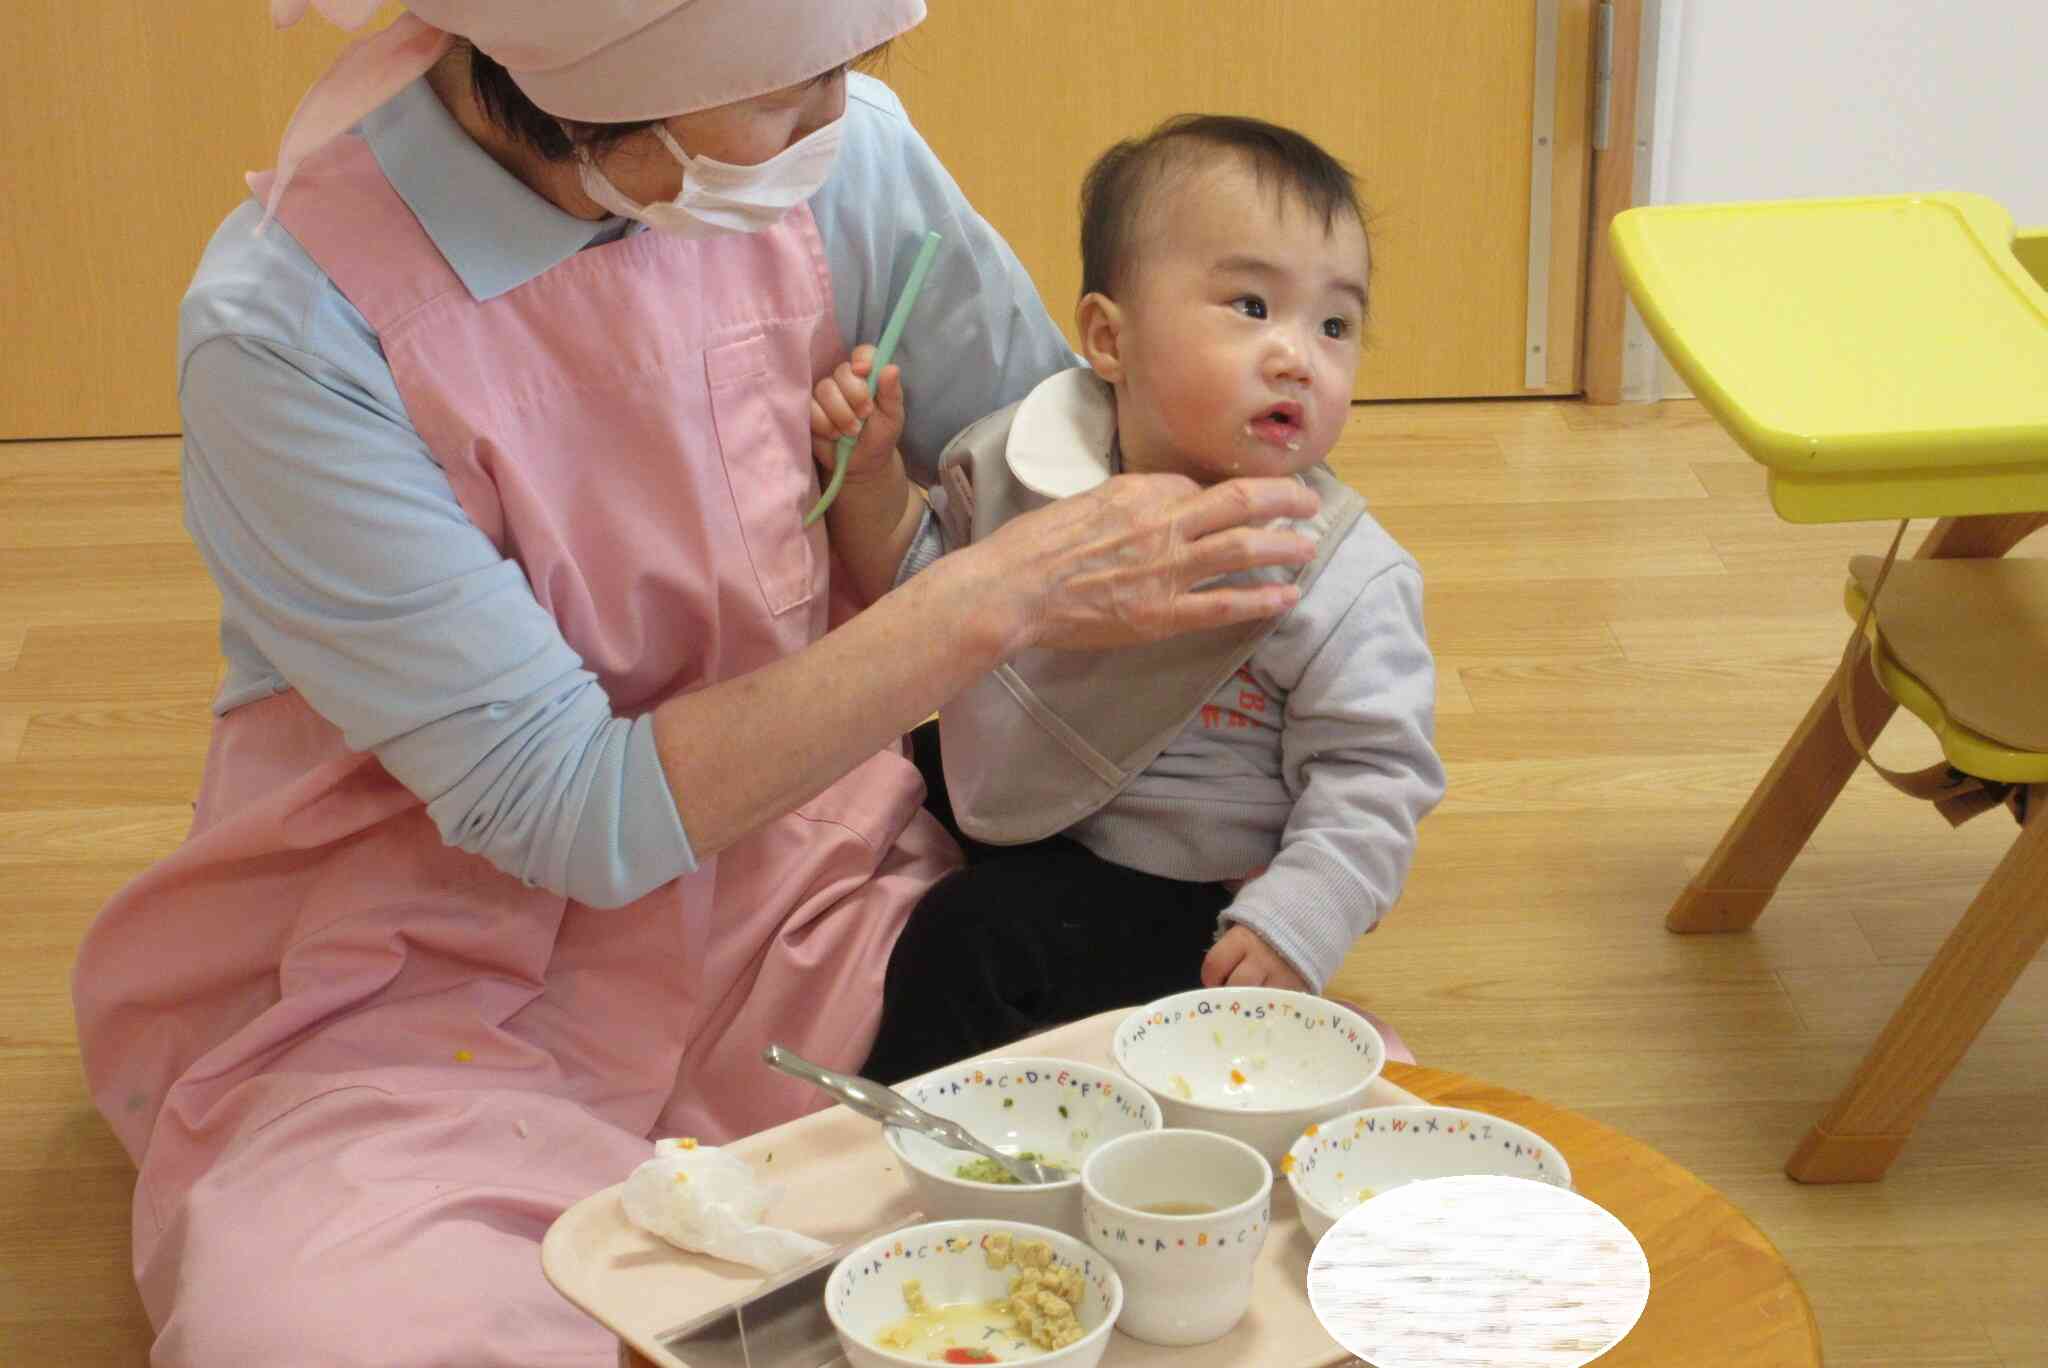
<point>1241,327</point>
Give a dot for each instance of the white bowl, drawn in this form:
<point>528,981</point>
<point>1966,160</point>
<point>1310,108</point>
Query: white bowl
<point>1057,1109</point>
<point>864,1294</point>
<point>1258,1064</point>
<point>1350,1159</point>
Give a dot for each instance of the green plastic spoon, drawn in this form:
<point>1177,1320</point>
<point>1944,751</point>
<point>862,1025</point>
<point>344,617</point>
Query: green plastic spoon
<point>884,349</point>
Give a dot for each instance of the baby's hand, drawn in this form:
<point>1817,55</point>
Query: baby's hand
<point>839,405</point>
<point>1240,959</point>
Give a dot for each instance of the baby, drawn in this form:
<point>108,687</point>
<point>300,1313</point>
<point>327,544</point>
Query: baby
<point>1266,781</point>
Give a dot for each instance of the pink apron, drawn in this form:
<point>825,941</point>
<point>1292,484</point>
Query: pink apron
<point>362,1070</point>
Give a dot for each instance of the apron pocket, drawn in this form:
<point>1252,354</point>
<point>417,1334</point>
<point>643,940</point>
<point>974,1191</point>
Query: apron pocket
<point>764,441</point>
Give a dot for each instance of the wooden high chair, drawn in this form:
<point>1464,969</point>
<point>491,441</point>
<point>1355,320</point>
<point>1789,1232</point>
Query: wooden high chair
<point>1885,358</point>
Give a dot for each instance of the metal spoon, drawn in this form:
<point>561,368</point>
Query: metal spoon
<point>892,1108</point>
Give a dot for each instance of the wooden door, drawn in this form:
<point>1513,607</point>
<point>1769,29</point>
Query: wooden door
<point>1429,103</point>
<point>125,130</point>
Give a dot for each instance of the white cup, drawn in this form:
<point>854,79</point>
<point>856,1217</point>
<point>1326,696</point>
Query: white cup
<point>1187,1277</point>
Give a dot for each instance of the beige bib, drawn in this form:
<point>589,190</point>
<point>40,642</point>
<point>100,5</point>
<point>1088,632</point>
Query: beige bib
<point>1050,737</point>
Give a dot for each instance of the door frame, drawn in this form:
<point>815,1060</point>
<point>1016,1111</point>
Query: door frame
<point>1620,361</point>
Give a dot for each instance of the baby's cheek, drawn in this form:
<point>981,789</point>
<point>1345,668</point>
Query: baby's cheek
<point>1195,411</point>
<point>1329,426</point>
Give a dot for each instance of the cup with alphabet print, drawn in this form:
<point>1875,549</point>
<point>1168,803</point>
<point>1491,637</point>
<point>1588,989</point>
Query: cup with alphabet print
<point>1180,1215</point>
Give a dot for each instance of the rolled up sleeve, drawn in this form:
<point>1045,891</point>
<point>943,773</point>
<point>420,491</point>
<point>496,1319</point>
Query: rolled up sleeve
<point>1358,754</point>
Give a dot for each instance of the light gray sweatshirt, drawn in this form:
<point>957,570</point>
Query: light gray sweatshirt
<point>1306,773</point>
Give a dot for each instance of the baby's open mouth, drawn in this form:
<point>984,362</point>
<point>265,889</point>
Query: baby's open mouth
<point>1279,425</point>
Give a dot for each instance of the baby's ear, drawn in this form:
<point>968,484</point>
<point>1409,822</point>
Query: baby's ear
<point>1099,322</point>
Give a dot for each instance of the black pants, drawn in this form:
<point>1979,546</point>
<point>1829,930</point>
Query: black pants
<point>1027,937</point>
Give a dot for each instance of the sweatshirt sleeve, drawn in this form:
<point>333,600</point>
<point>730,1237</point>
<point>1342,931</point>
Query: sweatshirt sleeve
<point>1358,754</point>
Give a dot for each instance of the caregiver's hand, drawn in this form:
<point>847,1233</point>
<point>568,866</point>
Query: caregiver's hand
<point>1121,563</point>
<point>1112,567</point>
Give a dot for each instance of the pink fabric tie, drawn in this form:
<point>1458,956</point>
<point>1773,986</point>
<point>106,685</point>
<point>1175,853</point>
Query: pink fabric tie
<point>349,14</point>
<point>370,71</point>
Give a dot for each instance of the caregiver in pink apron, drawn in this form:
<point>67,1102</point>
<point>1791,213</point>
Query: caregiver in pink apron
<point>549,779</point>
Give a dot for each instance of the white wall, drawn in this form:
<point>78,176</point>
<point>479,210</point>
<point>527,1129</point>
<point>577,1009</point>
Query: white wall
<point>1772,99</point>
<point>1780,99</point>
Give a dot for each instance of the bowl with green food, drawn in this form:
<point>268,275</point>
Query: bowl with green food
<point>1053,1110</point>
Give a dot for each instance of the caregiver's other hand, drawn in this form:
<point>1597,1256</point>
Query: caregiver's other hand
<point>1120,564</point>
<point>1241,959</point>
<point>841,404</point>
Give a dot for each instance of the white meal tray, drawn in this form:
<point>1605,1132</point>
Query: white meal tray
<point>841,1184</point>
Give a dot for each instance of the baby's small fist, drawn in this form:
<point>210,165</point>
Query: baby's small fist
<point>1242,959</point>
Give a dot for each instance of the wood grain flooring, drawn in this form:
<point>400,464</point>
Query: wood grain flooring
<point>1626,633</point>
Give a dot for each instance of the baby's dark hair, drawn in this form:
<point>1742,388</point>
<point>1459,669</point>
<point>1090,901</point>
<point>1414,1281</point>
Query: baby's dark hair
<point>1115,192</point>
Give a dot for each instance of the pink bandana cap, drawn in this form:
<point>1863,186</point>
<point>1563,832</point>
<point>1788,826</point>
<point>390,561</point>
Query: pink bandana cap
<point>592,61</point>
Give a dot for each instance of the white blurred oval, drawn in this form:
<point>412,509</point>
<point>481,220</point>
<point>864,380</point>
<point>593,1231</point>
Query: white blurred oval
<point>1478,1270</point>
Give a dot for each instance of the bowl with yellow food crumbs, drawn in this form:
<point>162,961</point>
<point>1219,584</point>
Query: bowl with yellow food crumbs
<point>1053,1110</point>
<point>1256,1064</point>
<point>1339,1163</point>
<point>974,1292</point>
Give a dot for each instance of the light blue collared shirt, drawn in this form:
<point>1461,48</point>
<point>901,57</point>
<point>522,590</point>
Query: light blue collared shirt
<point>347,568</point>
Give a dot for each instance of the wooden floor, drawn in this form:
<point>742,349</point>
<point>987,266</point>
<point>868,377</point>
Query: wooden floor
<point>1625,633</point>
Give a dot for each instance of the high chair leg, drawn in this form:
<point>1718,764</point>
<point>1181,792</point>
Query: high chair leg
<point>1739,878</point>
<point>1985,536</point>
<point>1730,892</point>
<point>1976,966</point>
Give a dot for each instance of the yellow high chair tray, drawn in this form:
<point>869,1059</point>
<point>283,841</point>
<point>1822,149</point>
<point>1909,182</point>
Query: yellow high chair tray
<point>1898,365</point>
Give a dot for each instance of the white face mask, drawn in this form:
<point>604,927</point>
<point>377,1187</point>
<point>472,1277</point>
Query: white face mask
<point>718,197</point>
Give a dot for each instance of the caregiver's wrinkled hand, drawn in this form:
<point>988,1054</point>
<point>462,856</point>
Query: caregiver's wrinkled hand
<point>1120,564</point>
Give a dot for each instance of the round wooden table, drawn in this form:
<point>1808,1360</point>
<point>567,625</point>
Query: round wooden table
<point>1721,1296</point>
